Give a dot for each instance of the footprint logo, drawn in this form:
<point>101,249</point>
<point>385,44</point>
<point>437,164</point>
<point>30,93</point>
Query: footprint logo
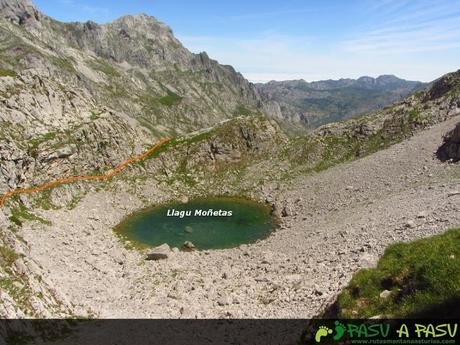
<point>339,330</point>
<point>322,332</point>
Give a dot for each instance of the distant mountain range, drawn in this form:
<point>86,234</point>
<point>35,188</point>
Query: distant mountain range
<point>312,104</point>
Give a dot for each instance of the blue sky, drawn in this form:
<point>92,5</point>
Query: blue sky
<point>292,39</point>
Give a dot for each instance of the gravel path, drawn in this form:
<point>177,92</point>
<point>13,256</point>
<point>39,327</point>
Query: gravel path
<point>338,221</point>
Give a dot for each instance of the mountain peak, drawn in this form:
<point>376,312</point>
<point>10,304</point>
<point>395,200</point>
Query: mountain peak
<point>15,3</point>
<point>388,78</point>
<point>142,17</point>
<point>143,24</point>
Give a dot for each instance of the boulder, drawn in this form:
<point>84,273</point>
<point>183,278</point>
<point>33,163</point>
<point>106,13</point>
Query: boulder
<point>189,245</point>
<point>66,151</point>
<point>159,253</point>
<point>410,224</point>
<point>224,300</point>
<point>287,211</point>
<point>422,214</point>
<point>368,260</point>
<point>20,267</point>
<point>226,275</point>
<point>385,294</point>
<point>450,149</point>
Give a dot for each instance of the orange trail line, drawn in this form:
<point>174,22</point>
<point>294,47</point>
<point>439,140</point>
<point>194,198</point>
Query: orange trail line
<point>85,177</point>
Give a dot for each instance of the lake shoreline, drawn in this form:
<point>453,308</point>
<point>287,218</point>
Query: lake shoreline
<point>198,221</point>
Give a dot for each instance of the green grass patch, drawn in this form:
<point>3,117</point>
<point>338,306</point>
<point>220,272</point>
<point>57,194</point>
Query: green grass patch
<point>199,137</point>
<point>74,201</point>
<point>423,277</point>
<point>34,143</point>
<point>105,67</point>
<point>7,256</point>
<point>162,148</point>
<point>414,114</point>
<point>64,63</point>
<point>455,91</point>
<point>116,91</point>
<point>154,101</point>
<point>21,213</point>
<point>170,99</point>
<point>94,115</point>
<point>242,110</point>
<point>7,73</point>
<point>419,94</point>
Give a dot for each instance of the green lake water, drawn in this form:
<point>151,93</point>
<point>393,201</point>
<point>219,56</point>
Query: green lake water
<point>248,222</point>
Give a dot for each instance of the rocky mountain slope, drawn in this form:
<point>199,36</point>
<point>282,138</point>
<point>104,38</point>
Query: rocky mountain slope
<point>94,94</point>
<point>327,204</point>
<point>134,65</point>
<point>79,99</point>
<point>333,222</point>
<point>312,104</point>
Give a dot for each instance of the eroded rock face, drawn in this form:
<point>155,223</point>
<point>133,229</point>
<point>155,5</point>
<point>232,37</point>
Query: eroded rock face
<point>50,128</point>
<point>442,86</point>
<point>19,11</point>
<point>237,142</point>
<point>450,149</point>
<point>133,64</point>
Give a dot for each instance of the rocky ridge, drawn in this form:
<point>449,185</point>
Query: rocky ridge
<point>312,104</point>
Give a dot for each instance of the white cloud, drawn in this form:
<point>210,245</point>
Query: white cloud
<point>414,40</point>
<point>420,28</point>
<point>281,58</point>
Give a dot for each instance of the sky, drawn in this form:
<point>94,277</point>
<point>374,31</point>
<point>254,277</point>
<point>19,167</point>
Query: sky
<point>300,39</point>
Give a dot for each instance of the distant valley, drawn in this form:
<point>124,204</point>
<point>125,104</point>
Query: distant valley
<point>316,103</point>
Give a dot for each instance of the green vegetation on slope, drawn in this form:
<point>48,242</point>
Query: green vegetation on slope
<point>170,99</point>
<point>423,278</point>
<point>104,67</point>
<point>7,73</point>
<point>7,256</point>
<point>241,110</point>
<point>18,215</point>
